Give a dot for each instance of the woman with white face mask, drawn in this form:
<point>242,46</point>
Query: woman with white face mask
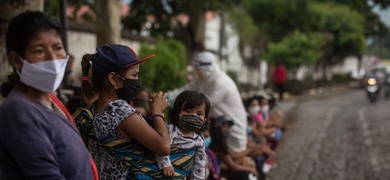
<point>37,139</point>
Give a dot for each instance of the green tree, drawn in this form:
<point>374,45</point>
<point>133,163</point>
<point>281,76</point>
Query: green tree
<point>295,50</point>
<point>244,24</point>
<point>341,27</point>
<point>167,70</point>
<point>345,29</point>
<point>278,18</point>
<point>166,24</point>
<point>373,26</point>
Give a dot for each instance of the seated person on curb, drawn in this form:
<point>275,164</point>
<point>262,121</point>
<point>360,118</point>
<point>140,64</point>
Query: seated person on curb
<point>259,126</point>
<point>268,158</point>
<point>275,121</point>
<point>213,168</point>
<point>230,168</point>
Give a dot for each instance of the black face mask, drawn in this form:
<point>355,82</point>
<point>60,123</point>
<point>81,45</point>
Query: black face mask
<point>129,90</point>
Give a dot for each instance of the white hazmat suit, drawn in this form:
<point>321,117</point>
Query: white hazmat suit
<point>224,97</point>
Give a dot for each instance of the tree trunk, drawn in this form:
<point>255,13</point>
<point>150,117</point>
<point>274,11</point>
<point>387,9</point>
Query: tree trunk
<point>222,37</point>
<point>8,10</point>
<point>108,21</point>
<point>359,64</point>
<point>196,26</point>
<point>324,72</point>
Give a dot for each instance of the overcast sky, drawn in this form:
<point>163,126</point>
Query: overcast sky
<point>384,14</point>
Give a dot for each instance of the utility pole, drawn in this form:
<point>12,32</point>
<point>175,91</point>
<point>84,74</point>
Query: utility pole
<point>64,22</point>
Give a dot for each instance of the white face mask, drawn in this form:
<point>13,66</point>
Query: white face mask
<point>254,110</point>
<point>45,76</point>
<point>265,109</point>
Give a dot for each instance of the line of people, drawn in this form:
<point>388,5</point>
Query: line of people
<point>208,132</point>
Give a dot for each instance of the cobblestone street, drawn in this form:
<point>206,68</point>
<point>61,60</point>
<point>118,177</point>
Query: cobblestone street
<point>338,136</point>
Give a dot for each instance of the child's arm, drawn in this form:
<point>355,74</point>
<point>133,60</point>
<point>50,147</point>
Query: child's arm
<point>199,169</point>
<point>164,163</point>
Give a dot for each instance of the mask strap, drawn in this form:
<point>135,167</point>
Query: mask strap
<point>22,60</point>
<point>17,72</point>
<point>120,77</point>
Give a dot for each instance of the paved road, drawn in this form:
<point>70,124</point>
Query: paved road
<point>338,136</point>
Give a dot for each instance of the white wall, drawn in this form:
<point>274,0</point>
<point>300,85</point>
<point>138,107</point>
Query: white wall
<point>231,50</point>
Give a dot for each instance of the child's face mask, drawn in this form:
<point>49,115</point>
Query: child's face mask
<point>190,122</point>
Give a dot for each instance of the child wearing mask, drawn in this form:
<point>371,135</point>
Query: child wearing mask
<point>212,166</point>
<point>228,166</point>
<point>258,132</point>
<point>259,129</point>
<point>188,119</point>
<point>264,107</point>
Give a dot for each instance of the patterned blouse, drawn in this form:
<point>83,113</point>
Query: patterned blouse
<point>104,125</point>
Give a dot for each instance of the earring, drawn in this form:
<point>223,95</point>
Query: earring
<point>115,87</point>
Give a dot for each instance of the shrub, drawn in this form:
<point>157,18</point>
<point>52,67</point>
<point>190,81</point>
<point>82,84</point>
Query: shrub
<point>167,70</point>
<point>340,78</point>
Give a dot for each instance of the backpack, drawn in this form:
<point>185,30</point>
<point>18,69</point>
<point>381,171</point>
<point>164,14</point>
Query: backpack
<point>84,122</point>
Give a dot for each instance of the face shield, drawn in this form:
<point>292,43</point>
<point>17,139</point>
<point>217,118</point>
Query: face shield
<point>204,65</point>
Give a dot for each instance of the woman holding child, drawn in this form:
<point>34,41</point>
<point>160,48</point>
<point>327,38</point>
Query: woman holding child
<point>123,140</point>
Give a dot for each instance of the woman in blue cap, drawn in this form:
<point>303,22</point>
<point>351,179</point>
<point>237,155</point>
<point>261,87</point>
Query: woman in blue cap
<point>124,143</point>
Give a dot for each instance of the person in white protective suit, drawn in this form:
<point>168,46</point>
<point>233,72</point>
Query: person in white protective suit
<point>224,97</point>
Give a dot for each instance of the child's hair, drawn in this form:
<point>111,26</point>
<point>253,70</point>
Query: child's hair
<point>249,101</point>
<point>249,119</point>
<point>188,99</point>
<point>218,137</point>
<point>89,90</point>
<point>260,99</point>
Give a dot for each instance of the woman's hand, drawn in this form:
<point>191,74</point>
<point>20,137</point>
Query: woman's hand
<point>158,102</point>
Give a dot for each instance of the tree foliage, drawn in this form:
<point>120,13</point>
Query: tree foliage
<point>165,12</point>
<point>344,24</point>
<point>342,28</point>
<point>373,25</point>
<point>295,50</point>
<point>278,18</point>
<point>244,24</point>
<point>167,70</point>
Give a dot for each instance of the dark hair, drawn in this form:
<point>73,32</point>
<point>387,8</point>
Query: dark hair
<point>188,99</point>
<point>25,26</point>
<point>249,101</point>
<point>260,99</point>
<point>272,102</point>
<point>21,29</point>
<point>89,90</point>
<point>218,137</point>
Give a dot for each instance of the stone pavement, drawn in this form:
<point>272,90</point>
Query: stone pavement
<point>291,101</point>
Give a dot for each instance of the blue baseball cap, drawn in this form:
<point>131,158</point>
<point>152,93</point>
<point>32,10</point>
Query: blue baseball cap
<point>222,119</point>
<point>115,57</point>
